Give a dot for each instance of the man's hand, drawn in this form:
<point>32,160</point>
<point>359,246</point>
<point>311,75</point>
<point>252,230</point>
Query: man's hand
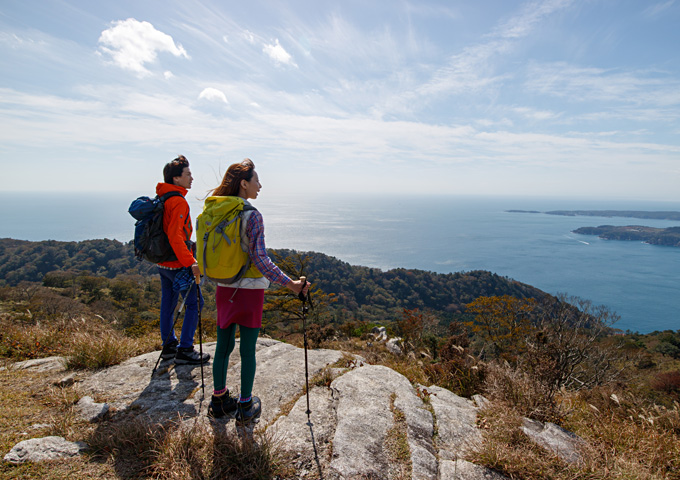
<point>197,273</point>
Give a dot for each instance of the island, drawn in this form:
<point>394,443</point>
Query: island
<point>655,236</point>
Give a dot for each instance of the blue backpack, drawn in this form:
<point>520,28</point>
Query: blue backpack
<point>151,241</point>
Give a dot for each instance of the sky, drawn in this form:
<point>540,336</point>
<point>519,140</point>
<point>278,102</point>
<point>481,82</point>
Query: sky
<point>493,97</point>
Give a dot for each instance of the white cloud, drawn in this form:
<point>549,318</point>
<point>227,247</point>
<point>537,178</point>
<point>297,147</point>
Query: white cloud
<point>168,75</point>
<point>213,95</point>
<point>249,36</point>
<point>132,44</point>
<point>278,54</point>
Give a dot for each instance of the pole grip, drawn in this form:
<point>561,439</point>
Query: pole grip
<point>301,295</point>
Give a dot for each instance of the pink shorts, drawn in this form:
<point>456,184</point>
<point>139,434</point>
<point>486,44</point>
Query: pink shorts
<point>241,306</point>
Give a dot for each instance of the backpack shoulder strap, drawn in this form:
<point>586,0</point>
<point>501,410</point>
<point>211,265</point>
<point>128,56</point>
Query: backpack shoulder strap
<point>164,197</point>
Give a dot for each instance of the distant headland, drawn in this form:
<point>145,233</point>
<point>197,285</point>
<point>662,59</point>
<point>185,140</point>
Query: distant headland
<point>667,215</point>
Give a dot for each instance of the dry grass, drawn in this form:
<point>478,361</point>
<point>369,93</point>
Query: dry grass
<point>618,445</point>
<point>190,449</point>
<point>396,445</point>
<point>93,351</point>
<point>86,342</point>
<point>31,406</point>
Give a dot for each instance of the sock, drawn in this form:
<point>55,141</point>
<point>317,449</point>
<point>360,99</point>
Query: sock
<point>219,393</point>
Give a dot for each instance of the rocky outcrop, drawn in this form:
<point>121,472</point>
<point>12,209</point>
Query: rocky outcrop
<point>356,411</point>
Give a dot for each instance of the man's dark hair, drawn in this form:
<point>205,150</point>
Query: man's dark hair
<point>174,169</point>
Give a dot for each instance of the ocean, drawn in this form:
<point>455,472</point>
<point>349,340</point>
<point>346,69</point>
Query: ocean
<point>441,234</point>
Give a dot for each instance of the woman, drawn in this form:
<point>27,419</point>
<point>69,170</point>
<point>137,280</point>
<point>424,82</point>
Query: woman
<point>241,303</point>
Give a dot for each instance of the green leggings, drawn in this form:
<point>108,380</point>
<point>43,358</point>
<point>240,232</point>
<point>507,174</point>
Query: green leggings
<point>226,340</point>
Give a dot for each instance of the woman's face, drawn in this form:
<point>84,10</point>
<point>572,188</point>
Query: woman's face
<point>252,188</point>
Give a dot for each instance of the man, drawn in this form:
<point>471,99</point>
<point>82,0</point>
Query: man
<point>177,226</point>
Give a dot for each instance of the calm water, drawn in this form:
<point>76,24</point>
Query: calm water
<point>440,234</point>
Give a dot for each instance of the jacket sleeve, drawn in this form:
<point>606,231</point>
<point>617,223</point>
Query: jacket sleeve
<point>177,223</point>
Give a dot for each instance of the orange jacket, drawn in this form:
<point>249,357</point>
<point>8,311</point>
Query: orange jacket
<point>177,225</point>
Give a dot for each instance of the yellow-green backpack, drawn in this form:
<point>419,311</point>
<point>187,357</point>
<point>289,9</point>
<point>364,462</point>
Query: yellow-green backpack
<point>218,239</point>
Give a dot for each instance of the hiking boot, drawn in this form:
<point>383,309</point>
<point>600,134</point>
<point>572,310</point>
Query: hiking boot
<point>222,406</point>
<point>189,356</point>
<point>248,412</point>
<point>169,350</point>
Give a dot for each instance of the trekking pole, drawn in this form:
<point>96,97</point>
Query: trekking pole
<point>200,331</point>
<point>305,309</point>
<point>172,329</point>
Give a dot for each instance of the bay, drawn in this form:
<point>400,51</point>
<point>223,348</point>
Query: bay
<point>440,234</point>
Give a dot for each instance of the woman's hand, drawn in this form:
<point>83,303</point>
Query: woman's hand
<point>298,286</point>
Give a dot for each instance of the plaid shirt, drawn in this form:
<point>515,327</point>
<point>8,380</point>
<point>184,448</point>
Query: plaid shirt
<point>258,251</point>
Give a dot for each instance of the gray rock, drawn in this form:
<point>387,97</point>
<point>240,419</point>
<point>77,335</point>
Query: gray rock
<point>463,470</point>
<point>280,374</point>
<point>379,334</point>
<point>42,449</point>
<point>46,364</point>
<point>176,389</point>
<point>554,438</point>
<point>364,419</point>
<point>308,439</point>
<point>67,381</point>
<point>393,345</point>
<point>40,426</point>
<point>481,401</point>
<point>456,423</point>
<point>91,411</point>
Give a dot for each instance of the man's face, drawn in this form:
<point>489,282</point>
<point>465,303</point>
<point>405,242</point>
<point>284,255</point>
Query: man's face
<point>185,179</point>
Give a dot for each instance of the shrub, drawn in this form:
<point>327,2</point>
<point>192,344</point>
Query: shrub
<point>528,397</point>
<point>668,382</point>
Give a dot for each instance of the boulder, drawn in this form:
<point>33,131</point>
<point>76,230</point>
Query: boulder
<point>393,345</point>
<point>552,437</point>
<point>42,449</point>
<point>47,364</point>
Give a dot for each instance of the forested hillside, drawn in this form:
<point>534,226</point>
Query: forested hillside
<point>373,292</point>
<point>361,292</point>
<point>23,260</point>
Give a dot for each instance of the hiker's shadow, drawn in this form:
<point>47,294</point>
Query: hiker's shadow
<point>173,394</point>
<point>173,391</point>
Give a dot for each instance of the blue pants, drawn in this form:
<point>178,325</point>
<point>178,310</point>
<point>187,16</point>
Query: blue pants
<point>169,299</point>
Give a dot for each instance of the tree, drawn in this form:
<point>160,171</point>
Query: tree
<point>667,348</point>
<point>572,344</point>
<point>413,328</point>
<point>503,323</point>
<point>281,306</point>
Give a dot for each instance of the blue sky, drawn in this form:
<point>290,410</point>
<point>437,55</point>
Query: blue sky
<point>559,97</point>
